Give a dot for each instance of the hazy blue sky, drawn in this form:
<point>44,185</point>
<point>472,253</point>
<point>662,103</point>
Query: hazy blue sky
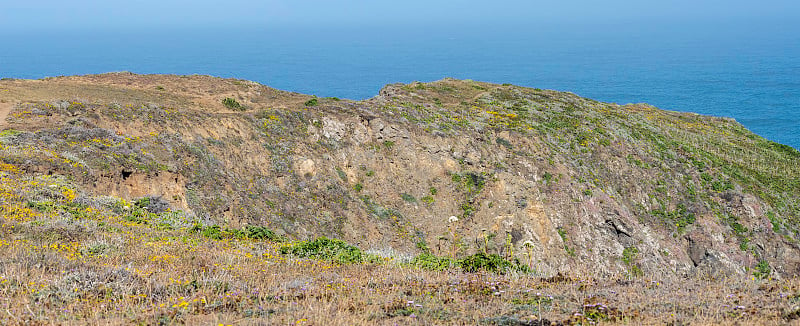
<point>60,14</point>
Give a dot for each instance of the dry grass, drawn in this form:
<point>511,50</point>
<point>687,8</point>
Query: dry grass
<point>68,259</point>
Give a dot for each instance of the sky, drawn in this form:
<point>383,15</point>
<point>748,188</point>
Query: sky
<point>28,15</point>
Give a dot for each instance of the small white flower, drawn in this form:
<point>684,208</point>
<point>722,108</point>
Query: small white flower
<point>453,219</point>
<point>527,243</point>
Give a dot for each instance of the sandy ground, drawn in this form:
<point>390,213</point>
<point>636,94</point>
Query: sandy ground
<point>5,109</point>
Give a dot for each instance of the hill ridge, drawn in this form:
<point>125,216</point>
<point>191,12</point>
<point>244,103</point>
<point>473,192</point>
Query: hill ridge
<point>582,180</point>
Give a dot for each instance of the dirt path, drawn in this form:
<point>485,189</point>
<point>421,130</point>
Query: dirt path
<point>5,109</point>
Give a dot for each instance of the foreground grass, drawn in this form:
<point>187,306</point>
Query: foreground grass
<point>67,259</point>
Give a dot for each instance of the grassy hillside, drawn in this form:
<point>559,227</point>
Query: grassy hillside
<point>191,199</point>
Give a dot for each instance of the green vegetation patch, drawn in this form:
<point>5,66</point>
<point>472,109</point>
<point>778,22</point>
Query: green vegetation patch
<point>9,133</point>
<point>232,104</point>
<point>325,249</point>
<point>680,217</point>
<point>312,102</point>
<point>629,255</point>
<point>762,269</point>
<point>470,182</point>
<point>217,232</point>
<point>408,198</point>
<point>471,264</point>
<point>491,263</point>
<point>432,262</point>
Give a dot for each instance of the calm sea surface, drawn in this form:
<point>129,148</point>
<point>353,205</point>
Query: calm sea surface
<point>752,75</point>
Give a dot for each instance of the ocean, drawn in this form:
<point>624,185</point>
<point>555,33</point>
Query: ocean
<point>748,73</point>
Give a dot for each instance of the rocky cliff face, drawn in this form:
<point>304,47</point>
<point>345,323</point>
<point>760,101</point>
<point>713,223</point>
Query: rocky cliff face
<point>455,167</point>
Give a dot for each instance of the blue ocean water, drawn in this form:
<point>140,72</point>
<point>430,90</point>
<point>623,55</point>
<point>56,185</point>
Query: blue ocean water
<point>750,74</point>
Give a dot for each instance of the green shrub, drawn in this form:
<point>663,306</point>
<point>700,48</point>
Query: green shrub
<point>325,249</point>
<point>467,210</point>
<point>312,102</point>
<point>629,258</point>
<point>432,262</point>
<point>547,177</point>
<point>217,232</point>
<point>629,254</point>
<point>135,218</point>
<point>261,233</point>
<point>232,104</point>
<point>491,263</point>
<point>212,232</point>
<point>762,269</point>
<point>470,182</point>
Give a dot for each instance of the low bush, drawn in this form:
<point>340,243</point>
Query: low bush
<point>432,262</point>
<point>261,233</point>
<point>478,262</point>
<point>491,263</point>
<point>325,249</point>
<point>232,104</point>
<point>217,232</point>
